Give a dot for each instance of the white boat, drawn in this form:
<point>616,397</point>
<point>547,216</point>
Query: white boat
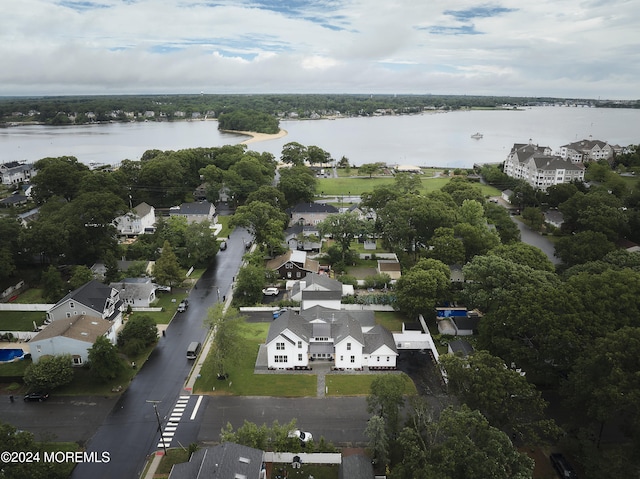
<point>476,136</point>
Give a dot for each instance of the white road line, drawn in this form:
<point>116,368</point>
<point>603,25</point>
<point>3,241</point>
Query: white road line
<point>195,409</point>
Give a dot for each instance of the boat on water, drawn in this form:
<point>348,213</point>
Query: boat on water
<point>476,136</point>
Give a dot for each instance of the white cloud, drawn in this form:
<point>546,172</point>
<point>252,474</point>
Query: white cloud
<point>516,47</point>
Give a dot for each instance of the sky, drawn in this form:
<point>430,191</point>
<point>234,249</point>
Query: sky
<point>554,48</point>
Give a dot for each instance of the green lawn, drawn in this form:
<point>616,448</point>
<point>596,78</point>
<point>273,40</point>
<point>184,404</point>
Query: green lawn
<point>21,320</point>
<point>242,380</point>
<point>30,296</point>
<point>357,384</point>
<point>391,320</point>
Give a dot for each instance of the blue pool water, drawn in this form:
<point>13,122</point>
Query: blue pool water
<point>10,354</point>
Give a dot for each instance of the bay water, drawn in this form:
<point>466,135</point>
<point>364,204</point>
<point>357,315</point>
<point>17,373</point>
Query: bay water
<point>430,139</point>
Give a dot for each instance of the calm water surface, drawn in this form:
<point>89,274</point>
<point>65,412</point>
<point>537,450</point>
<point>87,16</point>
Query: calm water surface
<point>434,139</point>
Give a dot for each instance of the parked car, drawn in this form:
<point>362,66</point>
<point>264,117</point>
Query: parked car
<point>276,314</point>
<point>303,436</point>
<point>562,466</point>
<point>182,307</point>
<point>271,291</point>
<point>163,289</point>
<point>37,396</point>
<point>223,246</point>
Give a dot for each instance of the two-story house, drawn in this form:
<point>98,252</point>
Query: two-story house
<point>293,265</point>
<point>303,238</point>
<point>136,292</point>
<point>196,212</point>
<point>15,172</point>
<point>310,213</point>
<point>138,221</point>
<point>91,299</point>
<point>347,339</point>
<point>319,290</point>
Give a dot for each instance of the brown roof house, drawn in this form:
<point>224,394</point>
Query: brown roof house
<point>293,265</point>
<point>390,267</point>
<point>74,336</point>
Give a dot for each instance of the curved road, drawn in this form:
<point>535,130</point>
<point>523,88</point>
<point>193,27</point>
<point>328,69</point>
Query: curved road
<point>130,431</point>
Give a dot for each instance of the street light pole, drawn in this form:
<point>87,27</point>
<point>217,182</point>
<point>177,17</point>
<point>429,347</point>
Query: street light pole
<point>155,408</point>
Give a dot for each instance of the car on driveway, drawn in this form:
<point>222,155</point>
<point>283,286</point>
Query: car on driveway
<point>271,291</point>
<point>182,307</point>
<point>37,396</point>
<point>562,466</point>
<point>303,436</point>
<point>223,246</point>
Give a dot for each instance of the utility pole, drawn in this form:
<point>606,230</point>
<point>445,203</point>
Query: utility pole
<point>155,408</point>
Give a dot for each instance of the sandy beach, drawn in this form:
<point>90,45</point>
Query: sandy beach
<point>255,137</point>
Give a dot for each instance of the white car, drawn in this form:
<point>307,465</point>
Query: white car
<point>303,436</point>
<point>271,291</point>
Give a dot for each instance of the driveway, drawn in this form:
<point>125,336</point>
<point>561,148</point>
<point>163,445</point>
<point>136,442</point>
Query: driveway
<point>534,238</point>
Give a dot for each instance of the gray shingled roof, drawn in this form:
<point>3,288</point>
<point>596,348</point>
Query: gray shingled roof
<point>93,294</point>
<point>349,327</point>
<point>195,208</point>
<point>377,337</point>
<point>356,467</point>
<point>312,208</point>
<point>289,320</point>
<point>226,461</point>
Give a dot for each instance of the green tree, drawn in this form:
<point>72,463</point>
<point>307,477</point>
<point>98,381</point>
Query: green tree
<point>459,445</point>
<point>386,399</point>
<point>16,441</point>
<point>81,275</point>
<point>472,212</point>
<point>227,329</point>
<point>477,240</point>
<point>57,177</point>
<point>370,169</point>
<point>380,196</point>
<point>378,440</point>
<point>605,384</point>
<point>264,221</point>
<point>298,184</point>
<point>524,254</point>
<point>583,247</point>
<point>344,228</point>
<point>268,194</point>
<point>294,153</point>
<point>445,247</point>
<point>53,287</point>
<point>462,189</point>
<point>501,394</point>
<point>138,333</point>
<point>167,270</point>
<point>534,217</point>
<point>104,361</point>
<point>407,183</point>
<point>418,290</point>
<point>316,155</point>
<point>49,373</point>
<point>201,244</point>
<point>249,284</point>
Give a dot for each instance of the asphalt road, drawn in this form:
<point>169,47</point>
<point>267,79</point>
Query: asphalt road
<point>130,433</point>
<point>534,238</point>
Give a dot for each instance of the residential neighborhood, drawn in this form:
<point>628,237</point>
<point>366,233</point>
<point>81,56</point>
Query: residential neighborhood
<point>410,294</point>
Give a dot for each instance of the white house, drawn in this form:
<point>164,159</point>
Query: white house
<point>138,221</point>
<point>15,172</point>
<point>348,339</point>
<point>195,212</point>
<point>91,299</point>
<point>318,290</point>
<point>74,336</point>
<point>587,150</point>
<point>137,292</point>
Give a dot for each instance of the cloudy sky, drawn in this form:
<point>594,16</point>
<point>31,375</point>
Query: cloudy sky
<point>559,48</point>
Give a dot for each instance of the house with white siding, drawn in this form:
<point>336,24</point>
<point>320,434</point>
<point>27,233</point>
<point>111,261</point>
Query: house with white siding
<point>139,220</point>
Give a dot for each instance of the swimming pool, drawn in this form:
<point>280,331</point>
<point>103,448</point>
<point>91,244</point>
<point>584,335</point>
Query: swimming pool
<point>7,355</point>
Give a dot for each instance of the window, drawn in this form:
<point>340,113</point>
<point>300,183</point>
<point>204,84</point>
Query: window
<point>72,304</point>
<point>68,315</point>
<point>280,359</point>
<point>348,346</point>
<point>77,360</point>
<point>299,344</point>
<point>353,359</point>
<point>341,358</point>
<point>288,266</point>
<point>280,346</point>
<point>299,357</point>
<point>378,358</point>
<point>388,358</point>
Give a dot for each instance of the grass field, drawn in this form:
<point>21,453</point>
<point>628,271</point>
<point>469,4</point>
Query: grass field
<point>21,320</point>
<point>355,186</point>
<point>357,384</point>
